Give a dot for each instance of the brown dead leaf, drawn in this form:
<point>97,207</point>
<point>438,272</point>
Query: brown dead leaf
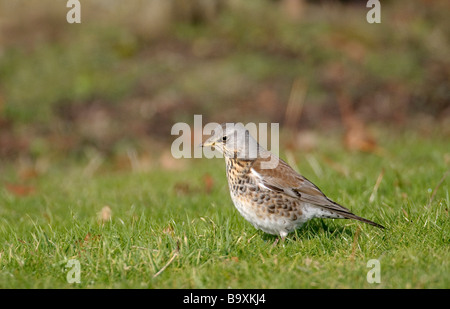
<point>234,259</point>
<point>121,162</point>
<point>89,238</point>
<point>20,190</point>
<point>182,188</point>
<point>104,215</point>
<point>28,173</point>
<point>357,136</point>
<point>208,182</point>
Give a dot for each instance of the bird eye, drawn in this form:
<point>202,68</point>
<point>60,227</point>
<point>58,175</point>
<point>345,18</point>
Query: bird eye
<point>224,138</point>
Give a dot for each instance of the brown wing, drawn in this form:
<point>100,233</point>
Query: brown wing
<point>285,180</point>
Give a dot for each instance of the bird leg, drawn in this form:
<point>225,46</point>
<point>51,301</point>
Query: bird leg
<point>275,242</point>
<point>283,237</point>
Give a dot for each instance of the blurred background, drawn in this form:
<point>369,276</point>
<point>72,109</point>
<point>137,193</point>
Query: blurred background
<point>114,85</point>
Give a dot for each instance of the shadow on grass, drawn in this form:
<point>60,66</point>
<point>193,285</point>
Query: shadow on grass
<point>314,229</point>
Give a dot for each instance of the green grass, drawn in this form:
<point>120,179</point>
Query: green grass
<point>159,214</point>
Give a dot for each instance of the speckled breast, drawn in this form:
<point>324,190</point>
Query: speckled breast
<point>272,212</point>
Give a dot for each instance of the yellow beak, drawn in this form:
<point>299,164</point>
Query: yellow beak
<point>207,143</point>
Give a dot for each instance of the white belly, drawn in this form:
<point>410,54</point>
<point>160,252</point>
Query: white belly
<point>271,224</point>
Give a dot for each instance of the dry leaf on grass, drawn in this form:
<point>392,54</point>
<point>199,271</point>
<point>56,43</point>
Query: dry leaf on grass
<point>208,181</point>
<point>357,136</point>
<point>104,215</point>
<point>20,190</point>
<point>88,239</point>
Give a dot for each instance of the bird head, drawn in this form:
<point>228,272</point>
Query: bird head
<point>234,141</point>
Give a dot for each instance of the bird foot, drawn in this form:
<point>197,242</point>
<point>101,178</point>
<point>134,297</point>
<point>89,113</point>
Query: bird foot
<point>277,240</point>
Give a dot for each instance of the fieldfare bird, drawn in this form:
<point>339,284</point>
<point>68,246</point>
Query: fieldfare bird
<point>266,190</point>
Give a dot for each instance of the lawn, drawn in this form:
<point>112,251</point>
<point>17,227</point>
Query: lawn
<point>161,227</point>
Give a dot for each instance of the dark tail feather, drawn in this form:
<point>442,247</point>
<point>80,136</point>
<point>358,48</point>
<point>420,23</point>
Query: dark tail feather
<point>347,214</point>
<point>352,216</point>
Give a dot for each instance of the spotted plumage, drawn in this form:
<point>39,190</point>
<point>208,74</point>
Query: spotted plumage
<point>274,199</point>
